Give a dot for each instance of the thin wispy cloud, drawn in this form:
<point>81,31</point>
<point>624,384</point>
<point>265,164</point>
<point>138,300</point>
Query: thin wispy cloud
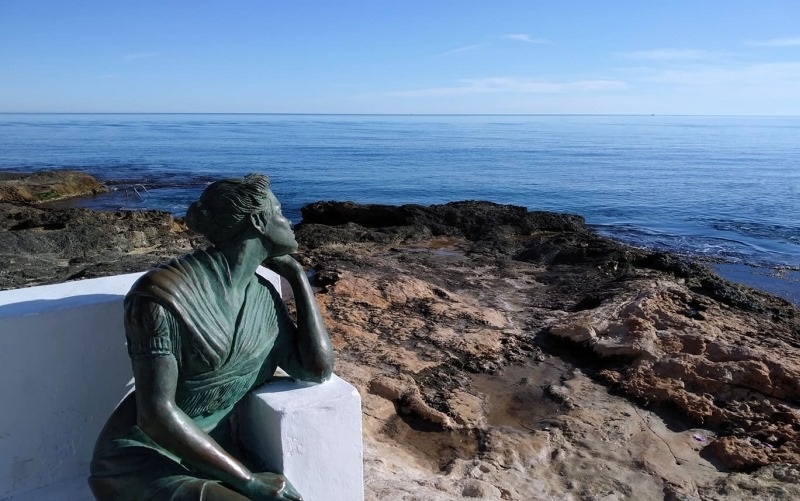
<point>755,76</point>
<point>465,48</point>
<point>519,37</point>
<point>513,85</point>
<point>133,57</point>
<point>776,42</point>
<point>668,54</point>
<point>522,37</point>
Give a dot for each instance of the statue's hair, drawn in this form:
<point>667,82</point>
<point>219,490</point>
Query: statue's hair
<point>225,206</point>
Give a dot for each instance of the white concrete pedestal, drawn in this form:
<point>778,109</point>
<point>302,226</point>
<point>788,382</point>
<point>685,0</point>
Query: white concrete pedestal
<point>309,432</point>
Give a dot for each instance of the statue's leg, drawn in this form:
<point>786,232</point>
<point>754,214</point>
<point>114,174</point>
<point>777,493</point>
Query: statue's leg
<point>141,474</point>
<point>193,489</point>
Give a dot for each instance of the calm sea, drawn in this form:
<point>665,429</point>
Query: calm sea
<point>724,187</point>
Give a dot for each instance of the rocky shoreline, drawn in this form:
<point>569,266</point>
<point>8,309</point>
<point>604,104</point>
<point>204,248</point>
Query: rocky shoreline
<point>508,354</point>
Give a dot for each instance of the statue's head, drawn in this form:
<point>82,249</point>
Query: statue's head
<point>232,209</point>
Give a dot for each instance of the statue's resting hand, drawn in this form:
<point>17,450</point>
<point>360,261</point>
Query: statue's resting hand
<point>270,487</point>
<point>285,266</point>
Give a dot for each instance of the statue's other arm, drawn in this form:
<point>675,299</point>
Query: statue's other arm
<point>163,421</point>
<point>307,350</point>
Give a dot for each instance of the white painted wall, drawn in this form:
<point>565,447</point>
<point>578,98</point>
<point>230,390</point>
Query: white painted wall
<point>64,367</point>
<point>311,433</point>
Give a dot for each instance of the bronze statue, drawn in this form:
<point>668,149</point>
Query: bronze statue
<point>202,331</point>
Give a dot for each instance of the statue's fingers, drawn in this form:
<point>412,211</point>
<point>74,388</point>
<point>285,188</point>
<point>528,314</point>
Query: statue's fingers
<point>291,494</point>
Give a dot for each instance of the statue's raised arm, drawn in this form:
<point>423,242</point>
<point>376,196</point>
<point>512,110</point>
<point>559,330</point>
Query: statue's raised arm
<point>202,331</point>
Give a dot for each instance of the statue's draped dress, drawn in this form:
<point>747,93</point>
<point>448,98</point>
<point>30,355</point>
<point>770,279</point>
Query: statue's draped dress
<point>183,309</point>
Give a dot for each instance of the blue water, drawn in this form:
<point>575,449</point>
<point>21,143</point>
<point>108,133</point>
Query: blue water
<point>726,187</point>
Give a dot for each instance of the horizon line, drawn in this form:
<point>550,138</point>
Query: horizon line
<point>391,114</point>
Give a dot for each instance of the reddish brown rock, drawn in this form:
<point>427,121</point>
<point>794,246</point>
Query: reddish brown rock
<point>459,327</point>
<point>722,367</point>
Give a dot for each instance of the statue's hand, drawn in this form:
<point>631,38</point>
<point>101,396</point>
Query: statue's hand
<point>270,487</point>
<point>285,266</point>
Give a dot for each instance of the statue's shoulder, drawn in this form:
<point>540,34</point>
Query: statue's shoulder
<point>196,273</point>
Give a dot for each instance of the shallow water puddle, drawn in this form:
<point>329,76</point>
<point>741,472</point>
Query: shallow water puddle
<point>435,447</point>
<point>516,395</point>
<point>514,399</point>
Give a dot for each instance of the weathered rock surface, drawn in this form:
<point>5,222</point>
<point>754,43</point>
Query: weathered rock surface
<point>47,186</point>
<point>40,245</point>
<point>512,360</point>
<point>720,366</point>
<point>510,355</point>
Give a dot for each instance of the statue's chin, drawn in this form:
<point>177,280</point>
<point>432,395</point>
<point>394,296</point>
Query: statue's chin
<point>279,246</point>
<point>282,250</point>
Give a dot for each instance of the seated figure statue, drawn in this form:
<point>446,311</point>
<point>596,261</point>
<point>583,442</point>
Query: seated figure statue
<point>202,331</point>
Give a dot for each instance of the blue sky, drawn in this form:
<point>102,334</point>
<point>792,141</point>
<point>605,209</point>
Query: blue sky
<point>341,56</point>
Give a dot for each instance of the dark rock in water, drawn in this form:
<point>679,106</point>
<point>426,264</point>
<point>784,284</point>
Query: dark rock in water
<point>703,280</point>
<point>47,186</point>
<point>474,220</point>
<point>508,231</point>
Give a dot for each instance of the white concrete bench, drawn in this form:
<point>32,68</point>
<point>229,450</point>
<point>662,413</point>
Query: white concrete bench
<point>64,367</point>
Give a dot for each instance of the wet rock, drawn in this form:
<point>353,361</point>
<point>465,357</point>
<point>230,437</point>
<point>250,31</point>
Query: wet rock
<point>490,223</point>
<point>770,482</point>
<point>559,394</point>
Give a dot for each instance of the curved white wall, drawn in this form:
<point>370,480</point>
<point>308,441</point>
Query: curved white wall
<point>63,369</point>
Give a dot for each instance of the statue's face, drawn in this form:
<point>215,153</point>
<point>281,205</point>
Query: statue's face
<point>279,235</point>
